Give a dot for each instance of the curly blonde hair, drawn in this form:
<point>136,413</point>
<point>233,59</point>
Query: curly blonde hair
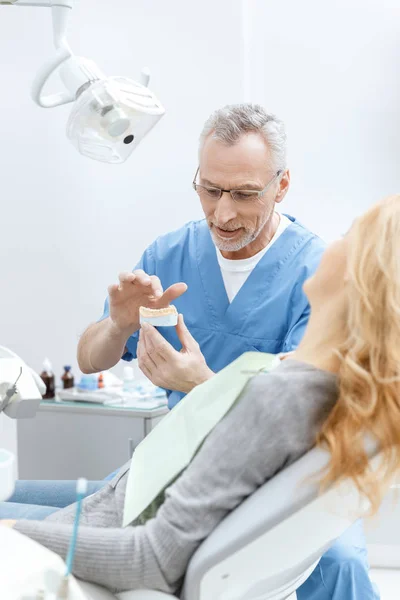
<point>369,376</point>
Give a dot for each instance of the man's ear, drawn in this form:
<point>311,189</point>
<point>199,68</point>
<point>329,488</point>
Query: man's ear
<point>284,183</point>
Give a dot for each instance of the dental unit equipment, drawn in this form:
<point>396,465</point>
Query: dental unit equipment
<point>20,395</point>
<point>21,392</point>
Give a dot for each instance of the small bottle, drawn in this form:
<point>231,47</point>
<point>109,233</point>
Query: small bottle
<point>67,378</point>
<point>129,384</point>
<point>48,380</point>
<point>100,381</point>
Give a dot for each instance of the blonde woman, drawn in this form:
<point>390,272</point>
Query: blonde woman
<point>342,382</point>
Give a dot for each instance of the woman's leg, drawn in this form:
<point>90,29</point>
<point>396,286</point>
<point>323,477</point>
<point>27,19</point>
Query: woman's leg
<point>47,493</point>
<point>11,510</point>
<point>36,500</point>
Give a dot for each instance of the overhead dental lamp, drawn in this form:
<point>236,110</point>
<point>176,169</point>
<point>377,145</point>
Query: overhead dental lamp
<point>110,115</point>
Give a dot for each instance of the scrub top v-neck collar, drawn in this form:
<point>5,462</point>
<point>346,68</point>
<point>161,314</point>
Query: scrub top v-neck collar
<point>230,316</point>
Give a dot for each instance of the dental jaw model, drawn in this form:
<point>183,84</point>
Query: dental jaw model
<point>162,317</point>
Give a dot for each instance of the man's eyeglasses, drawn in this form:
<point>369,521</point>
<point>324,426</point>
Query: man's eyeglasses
<point>213,193</point>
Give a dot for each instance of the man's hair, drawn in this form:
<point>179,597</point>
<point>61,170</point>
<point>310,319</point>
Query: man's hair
<point>230,123</point>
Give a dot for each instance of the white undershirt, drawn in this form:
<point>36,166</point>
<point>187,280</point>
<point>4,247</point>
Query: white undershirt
<point>235,272</point>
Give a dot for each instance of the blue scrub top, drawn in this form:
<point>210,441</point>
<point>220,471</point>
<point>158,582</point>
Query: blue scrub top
<point>269,313</point>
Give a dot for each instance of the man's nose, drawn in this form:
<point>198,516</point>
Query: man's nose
<point>226,209</point>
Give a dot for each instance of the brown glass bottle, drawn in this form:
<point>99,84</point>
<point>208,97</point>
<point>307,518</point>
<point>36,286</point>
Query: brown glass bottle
<point>67,378</point>
<point>48,380</point>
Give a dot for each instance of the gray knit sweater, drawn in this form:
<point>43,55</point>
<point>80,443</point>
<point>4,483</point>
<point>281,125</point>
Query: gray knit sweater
<point>274,423</point>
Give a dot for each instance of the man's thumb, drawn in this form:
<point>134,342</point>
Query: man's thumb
<point>184,334</point>
<point>172,293</point>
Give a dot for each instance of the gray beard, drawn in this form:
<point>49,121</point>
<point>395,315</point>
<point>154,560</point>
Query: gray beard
<point>235,245</point>
<point>232,245</point>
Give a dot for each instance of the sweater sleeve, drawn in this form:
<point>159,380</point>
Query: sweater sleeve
<point>118,559</point>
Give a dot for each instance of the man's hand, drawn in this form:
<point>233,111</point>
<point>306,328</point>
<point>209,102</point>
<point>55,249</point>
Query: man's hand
<point>7,523</point>
<point>135,290</point>
<point>167,368</point>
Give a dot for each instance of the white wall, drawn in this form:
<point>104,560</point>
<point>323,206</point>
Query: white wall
<point>69,225</point>
<point>331,71</point>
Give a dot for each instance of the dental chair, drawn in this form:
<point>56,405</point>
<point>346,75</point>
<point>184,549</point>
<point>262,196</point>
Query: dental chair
<point>269,545</point>
<point>263,550</point>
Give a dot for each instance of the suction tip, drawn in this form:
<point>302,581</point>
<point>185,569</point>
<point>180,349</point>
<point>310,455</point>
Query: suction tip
<point>81,486</point>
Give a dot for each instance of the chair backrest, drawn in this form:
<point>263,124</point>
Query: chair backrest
<point>267,547</point>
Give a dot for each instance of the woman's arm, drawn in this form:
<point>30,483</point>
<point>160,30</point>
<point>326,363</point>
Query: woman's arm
<point>116,558</point>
